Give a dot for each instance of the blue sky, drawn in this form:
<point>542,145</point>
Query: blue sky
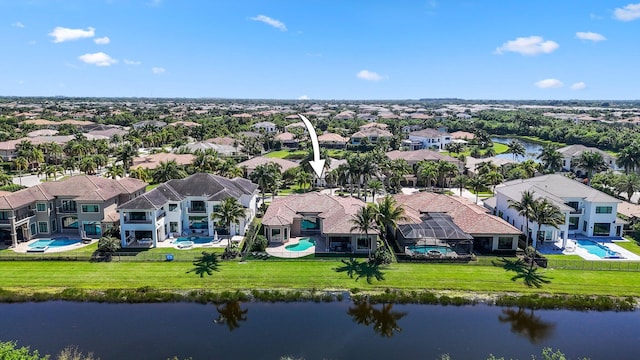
<point>482,49</point>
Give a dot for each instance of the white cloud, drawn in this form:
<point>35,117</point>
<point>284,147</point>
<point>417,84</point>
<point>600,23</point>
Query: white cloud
<point>158,70</point>
<point>271,22</point>
<point>61,34</point>
<point>549,84</point>
<point>627,13</point>
<point>20,82</point>
<point>369,75</point>
<point>590,36</point>
<point>303,97</point>
<point>98,59</point>
<point>131,62</point>
<point>532,45</point>
<point>102,41</point>
<point>579,86</point>
<point>18,24</point>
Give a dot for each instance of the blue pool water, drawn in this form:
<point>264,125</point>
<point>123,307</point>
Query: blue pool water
<point>303,245</point>
<point>423,249</point>
<point>194,239</point>
<point>57,242</point>
<point>309,225</point>
<point>596,249</point>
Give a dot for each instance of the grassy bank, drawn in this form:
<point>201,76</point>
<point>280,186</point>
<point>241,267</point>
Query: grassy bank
<point>34,276</point>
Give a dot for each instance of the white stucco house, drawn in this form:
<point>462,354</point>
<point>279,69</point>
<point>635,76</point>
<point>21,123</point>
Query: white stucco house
<point>266,126</point>
<point>429,139</point>
<point>588,212</point>
<point>184,206</point>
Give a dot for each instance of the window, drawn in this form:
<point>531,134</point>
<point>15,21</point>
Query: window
<point>137,216</point>
<point>90,208</point>
<point>363,243</point>
<point>573,204</point>
<point>70,222</point>
<point>604,209</point>
<point>584,226</point>
<point>32,228</point>
<point>4,215</point>
<point>41,207</point>
<point>573,223</point>
<point>173,226</point>
<point>91,228</point>
<point>69,206</point>
<point>198,206</point>
<point>275,232</point>
<point>43,227</point>
<point>286,233</point>
<point>54,225</point>
<point>601,229</point>
<point>198,222</point>
<point>173,207</point>
<point>505,243</point>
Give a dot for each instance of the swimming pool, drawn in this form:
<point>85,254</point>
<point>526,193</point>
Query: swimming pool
<point>598,250</point>
<point>194,239</point>
<point>57,242</point>
<point>423,249</point>
<point>304,244</point>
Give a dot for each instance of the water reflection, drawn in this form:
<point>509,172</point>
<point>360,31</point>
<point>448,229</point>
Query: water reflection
<point>383,319</point>
<point>527,325</point>
<point>231,314</point>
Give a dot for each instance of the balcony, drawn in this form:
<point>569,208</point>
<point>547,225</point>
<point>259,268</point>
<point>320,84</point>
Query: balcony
<point>577,212</point>
<point>22,216</point>
<point>197,210</point>
<point>161,215</point>
<point>66,210</point>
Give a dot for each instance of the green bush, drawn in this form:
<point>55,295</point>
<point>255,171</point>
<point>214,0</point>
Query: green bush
<point>260,243</point>
<point>108,244</point>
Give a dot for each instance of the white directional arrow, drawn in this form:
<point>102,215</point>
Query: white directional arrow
<point>317,164</point>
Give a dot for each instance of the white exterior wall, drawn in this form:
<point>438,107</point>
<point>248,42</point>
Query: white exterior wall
<point>154,226</point>
<point>428,142</point>
<point>591,217</point>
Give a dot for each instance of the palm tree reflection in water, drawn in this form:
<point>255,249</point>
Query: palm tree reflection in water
<point>231,314</point>
<point>527,325</point>
<point>383,320</point>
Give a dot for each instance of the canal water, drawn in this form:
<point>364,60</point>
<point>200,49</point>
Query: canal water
<point>338,330</point>
<point>532,150</point>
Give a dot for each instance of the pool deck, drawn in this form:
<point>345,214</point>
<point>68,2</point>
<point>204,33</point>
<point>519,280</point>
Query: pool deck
<point>573,249</point>
<point>173,244</point>
<point>24,246</point>
<point>282,252</point>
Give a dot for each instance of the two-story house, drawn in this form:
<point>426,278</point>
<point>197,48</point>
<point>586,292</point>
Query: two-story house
<point>184,206</point>
<point>573,152</point>
<point>79,206</point>
<point>372,134</point>
<point>587,211</point>
<point>429,139</point>
<point>266,126</point>
<point>324,217</point>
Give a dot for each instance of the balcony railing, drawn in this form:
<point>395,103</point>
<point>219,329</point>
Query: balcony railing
<point>137,221</point>
<point>197,210</point>
<point>18,218</point>
<point>66,210</point>
<point>161,215</point>
<point>577,212</point>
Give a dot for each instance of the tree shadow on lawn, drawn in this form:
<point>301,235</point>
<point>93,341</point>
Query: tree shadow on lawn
<point>527,272</point>
<point>369,270</point>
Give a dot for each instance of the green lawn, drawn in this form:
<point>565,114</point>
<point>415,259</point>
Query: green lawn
<point>320,274</point>
<point>151,187</point>
<point>499,149</point>
<point>283,154</point>
<point>632,246</point>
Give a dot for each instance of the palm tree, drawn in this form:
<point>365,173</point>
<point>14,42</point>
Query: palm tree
<point>629,183</point>
<point>303,178</point>
<point>364,221</point>
<point>265,175</point>
<point>88,166</point>
<point>387,215</point>
<point>629,158</point>
<point>22,164</point>
<point>167,171</point>
<point>70,164</point>
<point>493,178</point>
<point>524,207</point>
<point>550,157</point>
<point>591,162</point>
<point>516,149</point>
<point>477,183</point>
<point>427,171</point>
<point>545,213</point>
<point>331,179</point>
<point>230,211</point>
<point>454,148</point>
<point>115,171</point>
<point>140,173</point>
<point>126,154</point>
<point>445,170</point>
<point>375,186</point>
<point>461,181</point>
<point>490,152</point>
